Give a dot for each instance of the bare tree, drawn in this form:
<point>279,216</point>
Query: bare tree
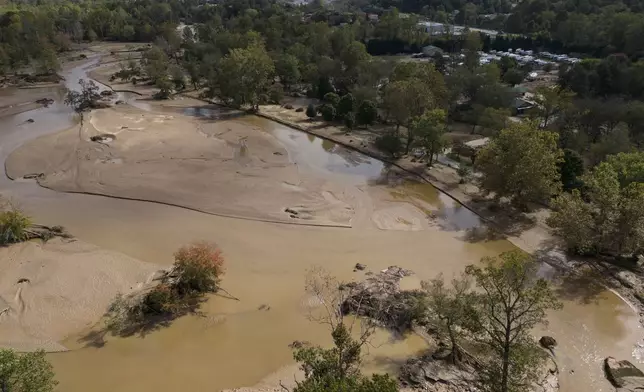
<point>326,299</point>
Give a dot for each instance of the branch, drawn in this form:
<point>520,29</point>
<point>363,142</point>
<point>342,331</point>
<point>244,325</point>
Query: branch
<point>284,387</point>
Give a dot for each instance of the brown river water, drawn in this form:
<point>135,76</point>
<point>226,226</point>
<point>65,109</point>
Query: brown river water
<point>234,343</point>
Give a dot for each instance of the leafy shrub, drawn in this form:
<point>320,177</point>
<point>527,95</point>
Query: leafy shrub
<point>161,299</point>
<point>13,227</point>
<point>198,268</point>
<point>367,113</point>
<point>328,111</point>
<point>350,120</point>
<point>331,98</point>
<point>346,105</point>
<point>26,372</point>
<point>276,94</point>
<point>389,143</point>
<point>310,111</point>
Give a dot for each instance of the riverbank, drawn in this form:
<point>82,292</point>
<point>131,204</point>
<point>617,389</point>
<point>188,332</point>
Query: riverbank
<point>528,231</point>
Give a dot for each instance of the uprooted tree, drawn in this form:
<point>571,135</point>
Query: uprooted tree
<point>197,270</point>
<point>494,317</point>
<point>16,226</point>
<point>85,99</point>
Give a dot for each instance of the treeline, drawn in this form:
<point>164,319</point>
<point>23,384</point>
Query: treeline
<point>34,34</point>
<point>592,27</point>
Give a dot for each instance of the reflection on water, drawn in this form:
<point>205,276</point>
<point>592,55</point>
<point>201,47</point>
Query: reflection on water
<point>452,216</point>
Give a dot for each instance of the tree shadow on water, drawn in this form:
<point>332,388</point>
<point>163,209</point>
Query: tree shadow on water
<point>580,287</point>
<point>136,322</point>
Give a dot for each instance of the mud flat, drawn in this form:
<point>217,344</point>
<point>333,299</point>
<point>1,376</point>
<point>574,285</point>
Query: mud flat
<point>224,167</point>
<point>49,291</point>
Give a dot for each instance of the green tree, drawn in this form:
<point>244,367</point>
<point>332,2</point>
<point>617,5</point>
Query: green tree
<point>471,48</point>
<point>493,119</point>
<point>194,74</point>
<point>390,144</point>
<point>350,120</point>
<point>328,112</point>
<point>367,113</point>
<point>609,218</point>
<point>155,63</point>
<point>244,76</point>
<point>513,76</point>
<point>430,130</point>
<point>629,167</point>
<point>572,220</point>
<point>311,112</point>
<point>551,101</point>
<point>332,98</point>
<point>346,105</point>
<point>521,162</point>
<point>337,369</point>
<point>571,168</point>
<point>164,84</point>
<point>28,372</point>
<point>178,78</point>
<point>510,304</point>
<point>451,309</point>
<point>287,69</point>
<point>613,143</point>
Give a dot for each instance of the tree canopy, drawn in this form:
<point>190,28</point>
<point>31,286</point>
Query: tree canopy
<point>522,163</point>
<point>28,372</point>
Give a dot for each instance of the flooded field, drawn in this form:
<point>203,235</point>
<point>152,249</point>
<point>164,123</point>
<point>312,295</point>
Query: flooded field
<point>237,343</point>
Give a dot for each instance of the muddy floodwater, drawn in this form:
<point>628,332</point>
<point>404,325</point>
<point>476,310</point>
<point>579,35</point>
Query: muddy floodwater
<point>238,342</point>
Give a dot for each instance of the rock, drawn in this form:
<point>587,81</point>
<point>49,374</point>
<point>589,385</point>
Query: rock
<point>359,267</point>
<point>30,120</point>
<point>277,153</point>
<point>425,373</point>
<point>639,295</point>
<point>288,106</point>
<point>548,342</point>
<point>624,375</point>
<point>107,93</point>
<point>299,110</point>
<point>119,102</point>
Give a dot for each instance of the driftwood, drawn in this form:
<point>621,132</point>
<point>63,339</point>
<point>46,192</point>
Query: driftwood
<point>46,233</point>
<point>380,299</point>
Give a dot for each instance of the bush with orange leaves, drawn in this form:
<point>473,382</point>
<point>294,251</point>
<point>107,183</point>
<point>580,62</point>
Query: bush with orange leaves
<point>197,270</point>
